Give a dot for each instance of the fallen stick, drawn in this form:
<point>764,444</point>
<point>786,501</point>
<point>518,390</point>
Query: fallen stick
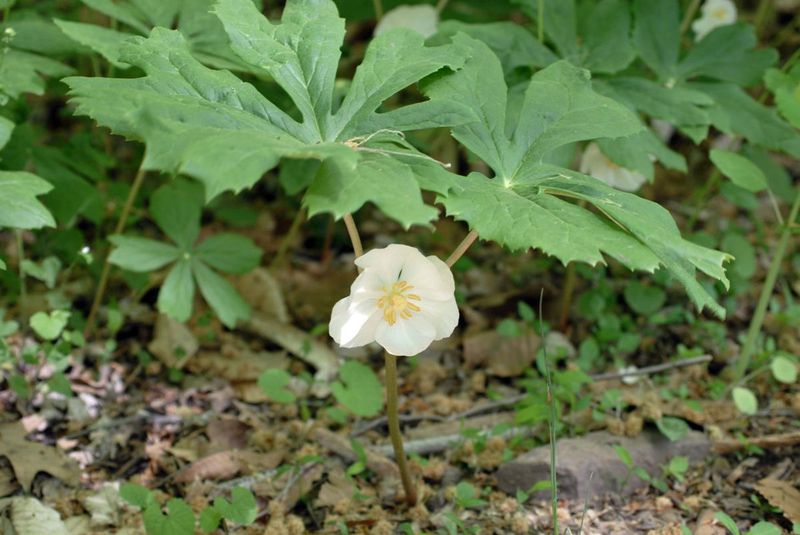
<point>780,440</point>
<point>513,400</point>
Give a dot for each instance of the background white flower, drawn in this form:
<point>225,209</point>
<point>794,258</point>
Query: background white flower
<point>600,166</point>
<point>422,18</point>
<point>714,13</point>
<point>402,300</point>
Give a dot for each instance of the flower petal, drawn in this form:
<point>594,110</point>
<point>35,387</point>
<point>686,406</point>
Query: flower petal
<point>407,337</point>
<point>353,325</point>
<point>443,315</point>
<point>387,262</point>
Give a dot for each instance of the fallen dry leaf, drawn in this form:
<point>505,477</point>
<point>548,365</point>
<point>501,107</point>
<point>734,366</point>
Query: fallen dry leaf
<point>783,495</point>
<point>29,458</point>
<point>504,356</point>
<point>173,343</point>
<point>29,516</point>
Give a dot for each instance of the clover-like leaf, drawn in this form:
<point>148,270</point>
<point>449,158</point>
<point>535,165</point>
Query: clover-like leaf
<point>359,389</point>
<point>524,205</point>
<point>221,130</point>
<point>178,520</point>
<point>242,508</point>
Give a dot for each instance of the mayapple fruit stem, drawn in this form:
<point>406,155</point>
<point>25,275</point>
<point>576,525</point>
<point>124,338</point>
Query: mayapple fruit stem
<point>390,363</point>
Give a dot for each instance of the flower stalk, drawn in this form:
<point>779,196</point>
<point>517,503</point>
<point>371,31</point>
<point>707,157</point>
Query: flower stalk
<point>462,248</point>
<point>393,421</point>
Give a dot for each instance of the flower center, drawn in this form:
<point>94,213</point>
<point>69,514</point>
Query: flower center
<point>396,301</point>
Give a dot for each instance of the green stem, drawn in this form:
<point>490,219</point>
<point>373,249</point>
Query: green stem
<point>540,21</point>
<point>23,292</point>
<point>701,196</point>
<point>570,281</point>
<point>688,17</point>
<point>761,16</point>
<point>551,400</point>
<point>123,219</point>
<point>441,5</point>
<point>743,362</point>
<point>288,239</point>
<point>390,363</point>
<point>378,9</point>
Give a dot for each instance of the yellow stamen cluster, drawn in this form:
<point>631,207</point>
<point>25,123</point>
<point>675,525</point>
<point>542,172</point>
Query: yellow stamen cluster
<point>397,302</point>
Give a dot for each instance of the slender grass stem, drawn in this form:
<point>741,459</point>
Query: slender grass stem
<point>120,226</point>
<point>23,291</point>
<point>393,421</point>
<point>462,248</point>
<point>288,239</point>
<point>743,362</point>
<point>551,400</point>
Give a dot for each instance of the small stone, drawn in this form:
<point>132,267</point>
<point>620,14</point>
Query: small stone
<point>588,467</point>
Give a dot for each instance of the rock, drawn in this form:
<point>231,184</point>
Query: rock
<point>593,454</point>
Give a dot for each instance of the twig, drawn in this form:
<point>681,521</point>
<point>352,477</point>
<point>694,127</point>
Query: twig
<point>404,418</point>
<point>427,446</point>
<point>295,341</point>
<point>337,444</point>
<point>516,398</point>
<point>657,368</point>
<point>462,248</point>
<point>780,440</point>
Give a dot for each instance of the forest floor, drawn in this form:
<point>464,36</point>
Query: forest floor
<point>179,409</point>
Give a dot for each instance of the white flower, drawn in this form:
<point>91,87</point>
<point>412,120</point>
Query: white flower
<point>715,13</point>
<point>598,165</point>
<point>402,300</point>
<point>422,18</point>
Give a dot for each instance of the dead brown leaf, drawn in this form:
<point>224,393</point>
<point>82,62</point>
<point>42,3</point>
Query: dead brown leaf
<point>783,495</point>
<point>29,458</point>
<point>504,356</point>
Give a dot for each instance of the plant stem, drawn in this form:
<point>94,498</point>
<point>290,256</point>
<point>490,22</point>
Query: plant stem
<point>688,17</point>
<point>121,222</point>
<point>378,9</point>
<point>551,400</point>
<point>462,248</point>
<point>441,5</point>
<point>23,292</point>
<point>743,362</point>
<point>540,21</point>
<point>352,231</point>
<point>290,236</point>
<point>390,363</point>
<point>707,188</point>
<point>566,295</point>
<point>761,15</point>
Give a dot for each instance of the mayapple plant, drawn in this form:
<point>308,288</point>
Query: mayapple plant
<point>211,125</point>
